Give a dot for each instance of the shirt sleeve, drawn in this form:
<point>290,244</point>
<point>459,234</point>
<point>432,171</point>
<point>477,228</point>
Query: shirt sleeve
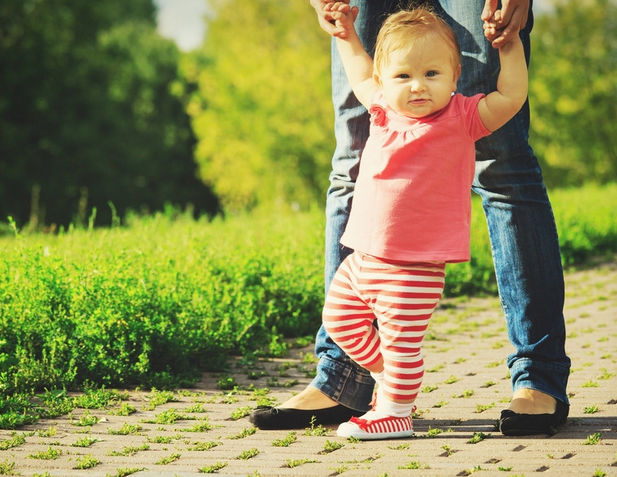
<point>468,107</point>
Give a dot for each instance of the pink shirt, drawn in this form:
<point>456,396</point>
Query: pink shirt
<point>412,200</point>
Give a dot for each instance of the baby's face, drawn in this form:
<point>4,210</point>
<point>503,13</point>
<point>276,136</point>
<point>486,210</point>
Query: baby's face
<point>419,81</point>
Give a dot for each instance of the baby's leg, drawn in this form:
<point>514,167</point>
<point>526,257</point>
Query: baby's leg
<point>348,317</point>
<point>405,301</point>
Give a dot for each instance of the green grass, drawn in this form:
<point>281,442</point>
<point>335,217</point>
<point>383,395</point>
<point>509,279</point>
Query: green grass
<point>287,441</point>
<point>211,469</point>
<point>331,446</point>
<point>15,441</point>
<point>87,462</point>
<point>49,454</point>
<point>291,463</point>
<point>85,442</point>
<point>168,460</point>
<point>156,302</point>
<point>248,454</point>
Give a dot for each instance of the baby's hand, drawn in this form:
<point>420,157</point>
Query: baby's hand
<point>336,6</point>
<point>342,15</point>
<point>503,25</point>
<point>329,16</point>
<point>493,26</point>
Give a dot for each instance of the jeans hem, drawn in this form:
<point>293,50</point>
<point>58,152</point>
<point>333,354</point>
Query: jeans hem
<point>345,383</point>
<point>551,379</point>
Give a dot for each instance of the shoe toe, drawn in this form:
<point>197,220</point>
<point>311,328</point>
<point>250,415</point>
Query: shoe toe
<point>272,418</point>
<point>260,413</point>
<point>348,429</point>
<point>515,424</point>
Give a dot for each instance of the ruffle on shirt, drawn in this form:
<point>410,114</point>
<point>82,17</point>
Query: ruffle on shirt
<point>379,117</point>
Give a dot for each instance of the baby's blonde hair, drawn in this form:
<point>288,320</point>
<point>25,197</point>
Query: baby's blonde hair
<point>405,28</point>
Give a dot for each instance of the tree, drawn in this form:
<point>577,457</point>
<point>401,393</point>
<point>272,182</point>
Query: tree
<point>260,104</point>
<point>87,116</point>
<point>572,92</point>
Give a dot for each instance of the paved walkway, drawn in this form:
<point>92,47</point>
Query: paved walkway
<point>464,390</point>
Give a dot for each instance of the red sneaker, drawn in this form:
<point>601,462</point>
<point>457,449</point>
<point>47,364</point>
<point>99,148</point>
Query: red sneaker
<point>383,428</point>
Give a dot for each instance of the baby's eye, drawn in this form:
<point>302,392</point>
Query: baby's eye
<point>403,76</point>
<point>430,74</point>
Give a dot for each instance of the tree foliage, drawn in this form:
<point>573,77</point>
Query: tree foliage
<point>260,103</point>
<point>572,92</point>
<point>92,110</point>
<point>87,117</point>
<point>261,109</point>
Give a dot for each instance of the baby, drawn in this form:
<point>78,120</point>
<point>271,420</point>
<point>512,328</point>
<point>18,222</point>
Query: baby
<point>411,207</point>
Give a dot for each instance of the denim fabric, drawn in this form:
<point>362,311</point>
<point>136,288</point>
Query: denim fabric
<point>519,216</point>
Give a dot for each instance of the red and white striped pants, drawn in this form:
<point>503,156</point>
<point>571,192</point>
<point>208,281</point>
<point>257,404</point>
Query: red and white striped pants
<point>402,298</point>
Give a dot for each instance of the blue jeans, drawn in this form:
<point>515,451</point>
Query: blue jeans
<point>520,220</point>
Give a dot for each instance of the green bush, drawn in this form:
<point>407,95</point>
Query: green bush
<point>156,300</point>
<point>586,221</point>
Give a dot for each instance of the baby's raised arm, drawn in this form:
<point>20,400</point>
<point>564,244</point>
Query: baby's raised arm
<point>498,107</point>
<point>356,61</point>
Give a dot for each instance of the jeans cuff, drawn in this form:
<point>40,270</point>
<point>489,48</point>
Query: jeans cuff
<point>549,378</point>
<point>345,383</point>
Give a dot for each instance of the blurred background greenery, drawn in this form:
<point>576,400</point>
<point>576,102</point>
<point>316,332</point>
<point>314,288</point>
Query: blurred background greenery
<point>100,115</point>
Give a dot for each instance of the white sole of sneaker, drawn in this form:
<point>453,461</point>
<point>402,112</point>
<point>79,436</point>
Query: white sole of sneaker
<point>348,430</point>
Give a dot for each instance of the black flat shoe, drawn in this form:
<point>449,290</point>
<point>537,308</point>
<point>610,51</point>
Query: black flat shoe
<point>271,418</point>
<point>515,424</point>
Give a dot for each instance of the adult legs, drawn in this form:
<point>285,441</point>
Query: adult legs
<point>519,217</point>
<point>522,229</point>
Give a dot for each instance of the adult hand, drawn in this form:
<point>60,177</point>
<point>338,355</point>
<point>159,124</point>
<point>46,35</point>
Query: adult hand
<point>327,16</point>
<point>501,25</point>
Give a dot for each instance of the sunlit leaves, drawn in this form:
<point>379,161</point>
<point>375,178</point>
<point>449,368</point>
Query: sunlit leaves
<point>573,84</point>
<point>261,109</point>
